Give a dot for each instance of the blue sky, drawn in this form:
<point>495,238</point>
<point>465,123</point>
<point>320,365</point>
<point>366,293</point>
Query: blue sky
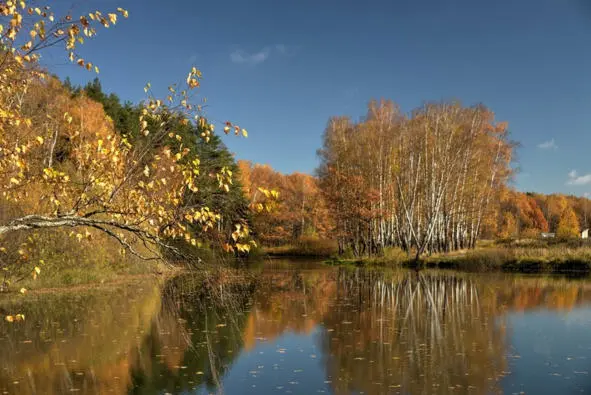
<point>281,68</point>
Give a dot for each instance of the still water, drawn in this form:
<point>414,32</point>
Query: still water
<point>304,328</point>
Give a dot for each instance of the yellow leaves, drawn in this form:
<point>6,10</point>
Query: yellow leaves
<point>11,33</point>
<point>245,248</point>
<point>123,12</point>
<point>193,78</point>
<point>147,171</point>
<point>147,87</point>
<point>68,117</point>
<point>14,181</point>
<point>40,140</point>
<point>103,21</point>
<point>113,18</point>
<point>15,318</point>
<point>264,191</point>
<point>23,291</point>
<point>36,272</point>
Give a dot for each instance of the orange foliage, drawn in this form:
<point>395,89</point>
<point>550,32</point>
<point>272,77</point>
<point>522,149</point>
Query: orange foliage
<point>300,210</point>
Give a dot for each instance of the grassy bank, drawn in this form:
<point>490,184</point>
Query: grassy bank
<point>304,247</point>
<point>534,257</point>
<point>62,277</point>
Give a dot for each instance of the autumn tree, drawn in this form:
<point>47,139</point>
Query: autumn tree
<point>300,209</point>
<point>528,216</point>
<point>568,224</point>
<point>64,153</point>
<point>422,182</point>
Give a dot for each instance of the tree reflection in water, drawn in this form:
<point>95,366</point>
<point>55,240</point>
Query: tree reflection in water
<point>417,333</point>
<point>377,331</point>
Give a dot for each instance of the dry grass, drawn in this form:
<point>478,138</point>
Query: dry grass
<point>305,246</point>
<point>557,258</point>
<point>64,261</point>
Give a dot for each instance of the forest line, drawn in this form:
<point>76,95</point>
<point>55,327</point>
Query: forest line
<point>434,182</point>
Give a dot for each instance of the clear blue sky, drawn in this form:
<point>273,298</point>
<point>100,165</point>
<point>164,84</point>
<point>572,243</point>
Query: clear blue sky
<point>281,68</point>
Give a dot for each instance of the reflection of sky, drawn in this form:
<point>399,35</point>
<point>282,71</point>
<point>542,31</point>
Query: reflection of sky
<point>549,352</point>
<point>291,363</point>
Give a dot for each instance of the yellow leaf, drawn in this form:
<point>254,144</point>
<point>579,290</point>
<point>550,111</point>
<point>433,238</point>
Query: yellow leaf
<point>244,133</point>
<point>9,318</point>
<point>23,291</point>
<point>37,269</point>
<point>40,140</point>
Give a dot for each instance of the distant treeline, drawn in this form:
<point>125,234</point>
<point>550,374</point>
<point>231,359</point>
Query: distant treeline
<point>434,181</point>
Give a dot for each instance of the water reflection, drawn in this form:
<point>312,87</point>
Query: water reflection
<point>295,328</point>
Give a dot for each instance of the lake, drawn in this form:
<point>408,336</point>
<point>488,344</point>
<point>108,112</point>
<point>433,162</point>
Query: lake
<point>303,328</point>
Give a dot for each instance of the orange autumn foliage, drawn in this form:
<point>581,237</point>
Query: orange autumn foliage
<point>300,210</point>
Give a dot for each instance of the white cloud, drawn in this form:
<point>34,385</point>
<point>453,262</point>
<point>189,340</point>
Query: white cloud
<point>282,49</point>
<point>242,57</point>
<point>572,174</point>
<point>575,179</point>
<point>550,144</point>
